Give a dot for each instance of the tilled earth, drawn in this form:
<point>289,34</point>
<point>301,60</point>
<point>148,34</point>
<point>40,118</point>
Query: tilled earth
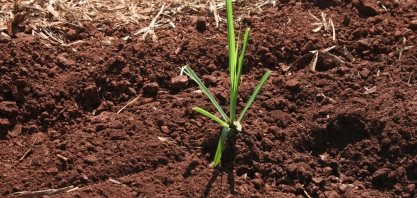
<point>346,130</point>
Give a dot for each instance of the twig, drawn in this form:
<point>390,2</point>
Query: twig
<point>62,157</point>
<point>213,8</point>
<point>150,29</point>
<point>127,104</point>
<point>28,151</point>
<point>24,155</point>
<point>26,194</point>
<point>305,192</point>
<point>115,181</point>
<point>409,78</point>
<point>330,99</point>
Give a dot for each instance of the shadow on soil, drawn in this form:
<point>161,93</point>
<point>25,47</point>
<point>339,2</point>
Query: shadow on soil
<point>337,134</point>
<point>226,167</point>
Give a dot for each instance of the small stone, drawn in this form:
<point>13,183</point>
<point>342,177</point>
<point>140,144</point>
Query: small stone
<point>413,24</point>
<point>91,159</point>
<point>201,23</point>
<point>292,84</point>
<point>299,187</point>
<point>331,193</point>
<point>287,188</point>
<point>398,189</point>
<point>267,143</point>
<point>165,129</point>
<point>123,85</point>
<point>257,175</point>
<point>393,176</point>
<point>71,35</point>
<point>63,62</point>
<point>24,70</point>
<point>8,108</point>
<point>5,87</point>
<point>365,42</point>
<point>130,91</point>
<point>151,88</point>
<point>90,28</point>
<point>179,82</point>
<point>327,170</point>
<point>255,195</point>
<point>5,123</point>
<point>365,73</point>
<point>17,130</point>
<point>20,82</point>
<point>343,188</point>
<point>258,182</point>
<point>309,46</point>
<point>91,93</point>
<point>32,129</point>
<point>380,174</point>
<point>137,46</point>
<point>410,188</point>
<point>52,171</point>
<point>368,7</point>
<point>317,180</point>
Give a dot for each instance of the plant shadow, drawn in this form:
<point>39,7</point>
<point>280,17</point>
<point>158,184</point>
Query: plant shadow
<point>226,167</point>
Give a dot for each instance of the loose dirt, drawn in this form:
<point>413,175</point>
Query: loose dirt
<point>346,130</point>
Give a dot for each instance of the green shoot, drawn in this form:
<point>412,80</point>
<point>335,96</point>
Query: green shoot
<point>230,124</point>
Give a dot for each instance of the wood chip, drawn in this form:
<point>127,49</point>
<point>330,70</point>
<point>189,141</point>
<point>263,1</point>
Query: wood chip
<point>167,139</point>
<point>371,90</point>
<point>347,54</point>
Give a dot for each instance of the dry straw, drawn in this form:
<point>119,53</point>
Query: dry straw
<point>48,18</point>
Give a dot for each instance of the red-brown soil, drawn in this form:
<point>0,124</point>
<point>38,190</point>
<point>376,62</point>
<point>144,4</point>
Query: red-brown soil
<point>308,134</point>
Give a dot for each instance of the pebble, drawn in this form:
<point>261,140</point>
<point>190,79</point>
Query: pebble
<point>292,84</point>
<point>317,180</point>
<point>287,188</point>
<point>201,23</point>
<point>413,24</point>
<point>165,129</point>
<point>267,143</point>
<point>365,73</point>
<point>309,46</point>
<point>410,188</point>
<point>5,87</point>
<point>380,174</point>
<point>258,182</point>
<point>131,92</point>
<point>343,188</point>
<point>8,108</point>
<point>71,35</point>
<point>151,88</point>
<point>64,62</point>
<point>4,123</point>
<point>368,7</point>
<point>332,194</point>
<point>91,159</point>
<point>17,130</point>
<point>20,82</point>
<point>91,93</point>
<point>179,82</point>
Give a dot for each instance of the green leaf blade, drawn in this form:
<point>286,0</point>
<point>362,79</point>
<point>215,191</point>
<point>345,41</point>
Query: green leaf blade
<point>254,94</point>
<point>210,115</point>
<point>242,54</point>
<point>232,59</point>
<point>194,76</point>
<point>220,146</point>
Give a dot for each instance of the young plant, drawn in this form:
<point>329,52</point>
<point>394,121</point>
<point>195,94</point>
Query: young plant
<point>230,124</point>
